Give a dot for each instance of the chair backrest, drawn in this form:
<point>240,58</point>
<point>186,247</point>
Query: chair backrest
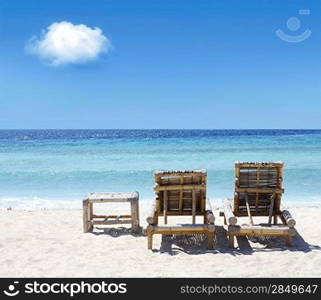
<point>177,190</point>
<point>259,181</point>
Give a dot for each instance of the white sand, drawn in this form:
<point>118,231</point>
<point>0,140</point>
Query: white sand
<point>50,243</point>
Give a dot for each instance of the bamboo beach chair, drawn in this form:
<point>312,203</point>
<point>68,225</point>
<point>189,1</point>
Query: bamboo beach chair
<point>258,192</point>
<point>181,193</point>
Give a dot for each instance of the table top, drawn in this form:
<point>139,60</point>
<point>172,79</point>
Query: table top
<point>112,197</point>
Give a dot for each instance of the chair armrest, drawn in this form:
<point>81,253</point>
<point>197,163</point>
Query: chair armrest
<point>151,217</point>
<point>210,217</point>
<point>288,218</point>
<point>228,214</point>
<point>209,212</point>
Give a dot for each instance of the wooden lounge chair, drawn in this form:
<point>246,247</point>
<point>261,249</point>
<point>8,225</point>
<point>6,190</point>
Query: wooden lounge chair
<point>181,193</point>
<point>258,192</point>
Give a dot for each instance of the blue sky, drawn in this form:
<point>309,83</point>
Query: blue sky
<point>172,64</point>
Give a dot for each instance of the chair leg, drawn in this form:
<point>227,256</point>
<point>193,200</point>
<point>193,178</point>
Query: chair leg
<point>231,240</point>
<point>85,216</point>
<point>150,240</point>
<point>275,220</point>
<point>205,219</point>
<point>210,240</point>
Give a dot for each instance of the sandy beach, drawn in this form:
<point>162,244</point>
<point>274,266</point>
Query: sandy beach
<point>50,243</point>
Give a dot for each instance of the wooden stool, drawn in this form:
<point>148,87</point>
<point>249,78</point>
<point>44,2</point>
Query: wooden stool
<point>90,219</point>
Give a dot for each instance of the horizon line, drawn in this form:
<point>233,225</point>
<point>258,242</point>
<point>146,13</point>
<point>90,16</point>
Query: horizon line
<point>3,129</point>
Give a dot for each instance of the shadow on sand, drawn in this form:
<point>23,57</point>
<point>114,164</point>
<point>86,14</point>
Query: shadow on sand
<point>197,244</point>
<point>117,231</point>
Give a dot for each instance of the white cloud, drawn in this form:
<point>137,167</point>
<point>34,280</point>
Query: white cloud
<point>65,43</point>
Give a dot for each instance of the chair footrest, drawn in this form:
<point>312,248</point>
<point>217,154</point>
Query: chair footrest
<point>182,228</point>
<point>261,230</point>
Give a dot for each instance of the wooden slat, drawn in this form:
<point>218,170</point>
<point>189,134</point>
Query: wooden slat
<point>256,164</point>
<point>112,197</point>
<point>237,184</point>
<point>159,174</point>
<point>243,213</point>
<point>203,200</point>
<point>271,209</point>
<point>165,206</point>
<point>257,194</point>
<point>109,201</point>
<point>248,209</point>
<point>183,213</point>
<point>158,205</point>
<point>259,190</point>
<point>193,206</point>
<point>160,188</point>
<point>280,180</point>
<point>181,200</point>
<point>180,205</point>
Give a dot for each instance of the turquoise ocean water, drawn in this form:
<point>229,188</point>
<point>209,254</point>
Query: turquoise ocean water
<point>57,168</point>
